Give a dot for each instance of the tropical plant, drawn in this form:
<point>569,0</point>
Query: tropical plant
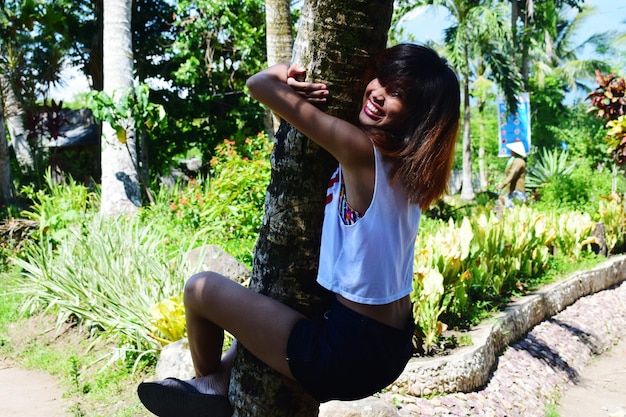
<point>467,267</point>
<point>549,165</point>
<point>480,30</point>
<point>130,112</point>
<point>611,214</point>
<point>59,207</point>
<point>608,102</point>
<point>216,47</point>
<point>86,277</point>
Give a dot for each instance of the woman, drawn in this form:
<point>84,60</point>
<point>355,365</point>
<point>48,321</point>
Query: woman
<point>392,164</point>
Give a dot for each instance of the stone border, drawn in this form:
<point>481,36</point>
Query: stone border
<point>468,368</point>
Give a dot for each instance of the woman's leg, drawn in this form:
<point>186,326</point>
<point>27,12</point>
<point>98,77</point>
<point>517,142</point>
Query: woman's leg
<point>261,324</point>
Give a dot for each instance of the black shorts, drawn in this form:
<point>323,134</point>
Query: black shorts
<point>347,356</point>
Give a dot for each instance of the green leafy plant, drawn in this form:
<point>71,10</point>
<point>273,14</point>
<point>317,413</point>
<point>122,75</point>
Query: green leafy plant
<point>167,319</point>
<point>58,208</point>
<point>88,275</point>
<point>462,269</point>
<point>548,166</point>
<point>126,109</point>
<point>228,204</point>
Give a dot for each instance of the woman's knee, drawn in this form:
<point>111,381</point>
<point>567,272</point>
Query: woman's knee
<point>200,287</point>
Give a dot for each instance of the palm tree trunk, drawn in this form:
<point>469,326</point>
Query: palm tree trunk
<point>120,180</point>
<point>279,39</point>
<point>5,163</point>
<point>481,151</point>
<point>467,190</point>
<point>335,41</point>
<point>14,115</point>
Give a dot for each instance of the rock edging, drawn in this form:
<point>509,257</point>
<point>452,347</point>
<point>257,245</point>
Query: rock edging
<point>469,367</point>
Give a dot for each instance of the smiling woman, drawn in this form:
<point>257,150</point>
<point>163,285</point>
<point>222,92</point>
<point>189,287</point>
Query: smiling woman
<point>393,163</point>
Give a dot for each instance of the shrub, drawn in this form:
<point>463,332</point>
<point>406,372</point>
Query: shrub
<point>463,268</point>
<point>107,276</point>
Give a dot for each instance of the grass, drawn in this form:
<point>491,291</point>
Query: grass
<point>552,406</point>
<point>92,389</point>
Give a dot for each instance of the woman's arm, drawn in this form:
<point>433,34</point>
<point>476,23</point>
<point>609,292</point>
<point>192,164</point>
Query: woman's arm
<point>278,89</point>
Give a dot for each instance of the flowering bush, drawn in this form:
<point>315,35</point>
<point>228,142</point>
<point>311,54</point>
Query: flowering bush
<point>228,204</point>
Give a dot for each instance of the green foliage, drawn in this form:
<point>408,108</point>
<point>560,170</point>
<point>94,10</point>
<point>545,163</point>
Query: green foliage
<point>59,208</point>
<point>218,45</point>
<point>82,265</point>
<point>87,276</point>
<point>611,213</point>
<point>547,110</point>
<point>550,166</point>
<point>127,109</point>
<point>582,133</point>
<point>578,189</point>
<point>465,268</point>
<point>569,191</point>
<point>228,204</point>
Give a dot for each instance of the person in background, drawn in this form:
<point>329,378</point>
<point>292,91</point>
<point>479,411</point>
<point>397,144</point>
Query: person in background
<point>515,175</point>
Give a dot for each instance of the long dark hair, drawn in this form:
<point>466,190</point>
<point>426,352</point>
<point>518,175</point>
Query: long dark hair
<point>422,154</point>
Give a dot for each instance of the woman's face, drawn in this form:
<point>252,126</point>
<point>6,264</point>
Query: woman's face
<point>382,108</point>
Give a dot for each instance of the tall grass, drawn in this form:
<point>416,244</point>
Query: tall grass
<point>106,275</point>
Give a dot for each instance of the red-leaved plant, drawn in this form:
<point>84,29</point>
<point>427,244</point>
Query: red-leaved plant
<point>608,101</point>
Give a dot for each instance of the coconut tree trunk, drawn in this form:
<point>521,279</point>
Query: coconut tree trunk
<point>279,40</point>
<point>5,163</point>
<point>335,43</point>
<point>467,190</point>
<point>120,180</point>
<point>14,115</point>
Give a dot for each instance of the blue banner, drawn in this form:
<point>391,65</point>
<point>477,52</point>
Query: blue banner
<point>513,127</point>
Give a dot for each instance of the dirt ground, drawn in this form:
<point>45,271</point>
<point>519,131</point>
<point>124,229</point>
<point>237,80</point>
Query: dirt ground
<point>601,392</point>
<point>25,393</point>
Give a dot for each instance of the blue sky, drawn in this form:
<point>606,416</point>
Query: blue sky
<point>428,23</point>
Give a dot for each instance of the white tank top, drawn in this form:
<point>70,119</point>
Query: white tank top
<point>370,261</point>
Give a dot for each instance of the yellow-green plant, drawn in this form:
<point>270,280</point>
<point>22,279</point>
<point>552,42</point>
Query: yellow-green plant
<point>611,213</point>
<point>167,319</point>
<point>572,232</point>
<point>428,305</point>
<point>485,258</point>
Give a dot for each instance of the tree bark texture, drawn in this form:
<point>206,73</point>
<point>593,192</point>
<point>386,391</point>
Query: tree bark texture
<point>335,42</point>
<point>467,189</point>
<point>278,31</point>
<point>14,115</point>
<point>120,183</point>
<point>5,163</point>
<point>279,41</point>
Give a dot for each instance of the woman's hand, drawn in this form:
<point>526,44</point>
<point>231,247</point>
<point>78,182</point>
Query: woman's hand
<point>315,93</point>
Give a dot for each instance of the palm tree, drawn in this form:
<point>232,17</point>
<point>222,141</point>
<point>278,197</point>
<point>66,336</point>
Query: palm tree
<point>560,56</point>
<point>32,50</point>
<point>120,179</point>
<point>530,21</point>
<point>5,165</point>
<point>479,31</point>
<point>13,44</point>
<point>14,112</point>
<point>286,255</point>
